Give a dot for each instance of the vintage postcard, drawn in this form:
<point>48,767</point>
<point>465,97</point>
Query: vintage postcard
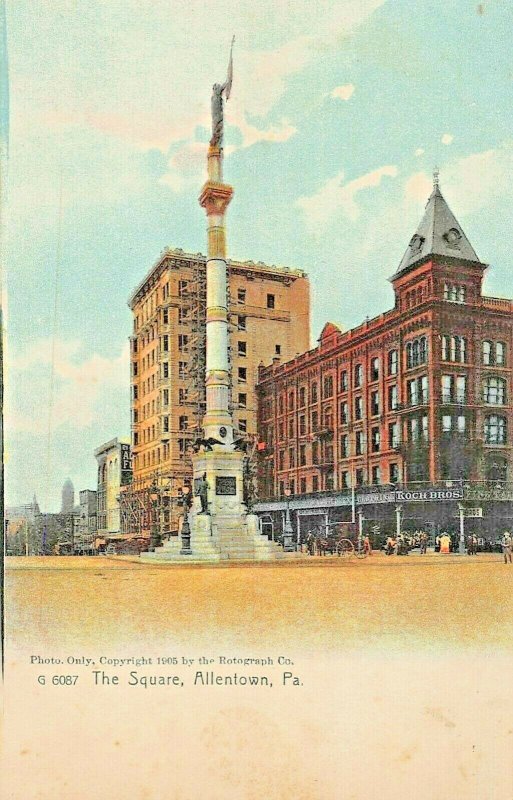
<point>257,387</point>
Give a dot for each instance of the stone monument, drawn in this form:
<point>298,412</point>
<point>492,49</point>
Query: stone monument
<point>220,525</point>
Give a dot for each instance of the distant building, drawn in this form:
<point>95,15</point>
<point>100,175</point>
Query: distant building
<point>68,498</point>
<point>87,520</point>
<point>114,471</point>
<point>26,512</point>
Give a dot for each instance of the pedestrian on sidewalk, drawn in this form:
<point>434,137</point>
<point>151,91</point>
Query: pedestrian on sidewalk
<point>507,544</point>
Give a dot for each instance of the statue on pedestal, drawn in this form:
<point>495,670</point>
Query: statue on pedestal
<point>218,90</point>
<point>202,492</point>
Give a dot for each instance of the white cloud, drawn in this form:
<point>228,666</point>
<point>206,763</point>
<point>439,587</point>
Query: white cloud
<point>134,80</point>
<point>344,92</point>
<point>336,197</point>
<point>479,180</point>
<point>447,138</point>
<point>80,382</point>
<point>419,151</point>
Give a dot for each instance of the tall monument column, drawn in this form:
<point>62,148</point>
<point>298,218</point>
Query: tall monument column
<point>214,198</point>
<point>220,526</point>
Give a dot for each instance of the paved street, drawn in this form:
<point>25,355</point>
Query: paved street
<point>326,604</point>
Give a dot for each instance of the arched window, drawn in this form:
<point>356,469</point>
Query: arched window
<point>423,350</point>
<point>500,354</point>
<point>494,391</point>
<point>416,352</point>
<point>495,429</point>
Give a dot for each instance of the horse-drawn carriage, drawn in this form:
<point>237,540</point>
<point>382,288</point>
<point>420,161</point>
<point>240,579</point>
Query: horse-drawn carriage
<point>340,539</point>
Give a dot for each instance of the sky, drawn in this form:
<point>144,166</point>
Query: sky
<point>340,110</point>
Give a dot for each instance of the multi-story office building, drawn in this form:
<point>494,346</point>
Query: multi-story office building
<point>421,393</point>
<point>269,311</point>
<point>114,471</point>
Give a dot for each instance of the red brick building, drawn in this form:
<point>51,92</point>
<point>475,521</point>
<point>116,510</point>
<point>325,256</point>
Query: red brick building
<point>422,392</point>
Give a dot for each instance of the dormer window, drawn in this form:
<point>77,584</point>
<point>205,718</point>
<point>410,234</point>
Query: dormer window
<point>453,238</point>
<point>416,243</point>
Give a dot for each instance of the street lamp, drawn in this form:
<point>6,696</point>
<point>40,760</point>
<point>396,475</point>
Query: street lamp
<point>186,528</point>
<point>288,533</point>
<point>155,538</point>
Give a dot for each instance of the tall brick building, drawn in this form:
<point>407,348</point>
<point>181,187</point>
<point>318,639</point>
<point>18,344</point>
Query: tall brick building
<point>269,310</point>
<point>420,393</point>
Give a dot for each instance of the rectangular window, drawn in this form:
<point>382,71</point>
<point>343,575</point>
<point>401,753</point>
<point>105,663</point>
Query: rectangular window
<point>241,296</point>
<point>302,425</point>
<point>183,422</point>
<point>292,458</point>
<point>374,404</point>
<point>243,400</point>
<point>344,478</point>
<point>313,393</point>
<point>281,431</point>
<point>376,476</point>
<point>183,342</point>
<point>182,370</point>
<point>302,455</point>
<point>358,375</point>
<point>315,452</point>
<point>328,386</point>
<point>270,301</point>
<point>165,397</point>
<point>242,374</point>
<point>182,316</point>
<point>165,343</point>
<point>374,370</point>
<point>343,381</point>
<point>375,439</point>
<point>359,443</point>
<point>182,396</point>
<point>344,446</point>
<point>394,473</point>
<point>446,423</point>
<point>277,350</point>
<point>165,369</point>
<point>281,459</point>
<point>413,393</point>
<point>242,349</point>
<point>291,428</point>
<point>302,396</point>
<point>315,421</point>
<point>243,425</point>
<point>291,401</point>
<point>344,413</point>
<point>360,477</point>
<point>461,389</point>
<point>182,288</point>
<point>393,435</point>
<point>241,323</point>
<point>392,398</point>
<point>302,486</point>
<point>315,484</point>
<point>393,362</point>
<point>358,408</point>
<point>165,316</point>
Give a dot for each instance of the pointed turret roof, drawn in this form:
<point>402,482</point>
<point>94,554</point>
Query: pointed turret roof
<point>438,234</point>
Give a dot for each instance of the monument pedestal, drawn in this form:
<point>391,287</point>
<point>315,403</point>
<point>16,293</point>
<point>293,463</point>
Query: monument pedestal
<point>227,532</point>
